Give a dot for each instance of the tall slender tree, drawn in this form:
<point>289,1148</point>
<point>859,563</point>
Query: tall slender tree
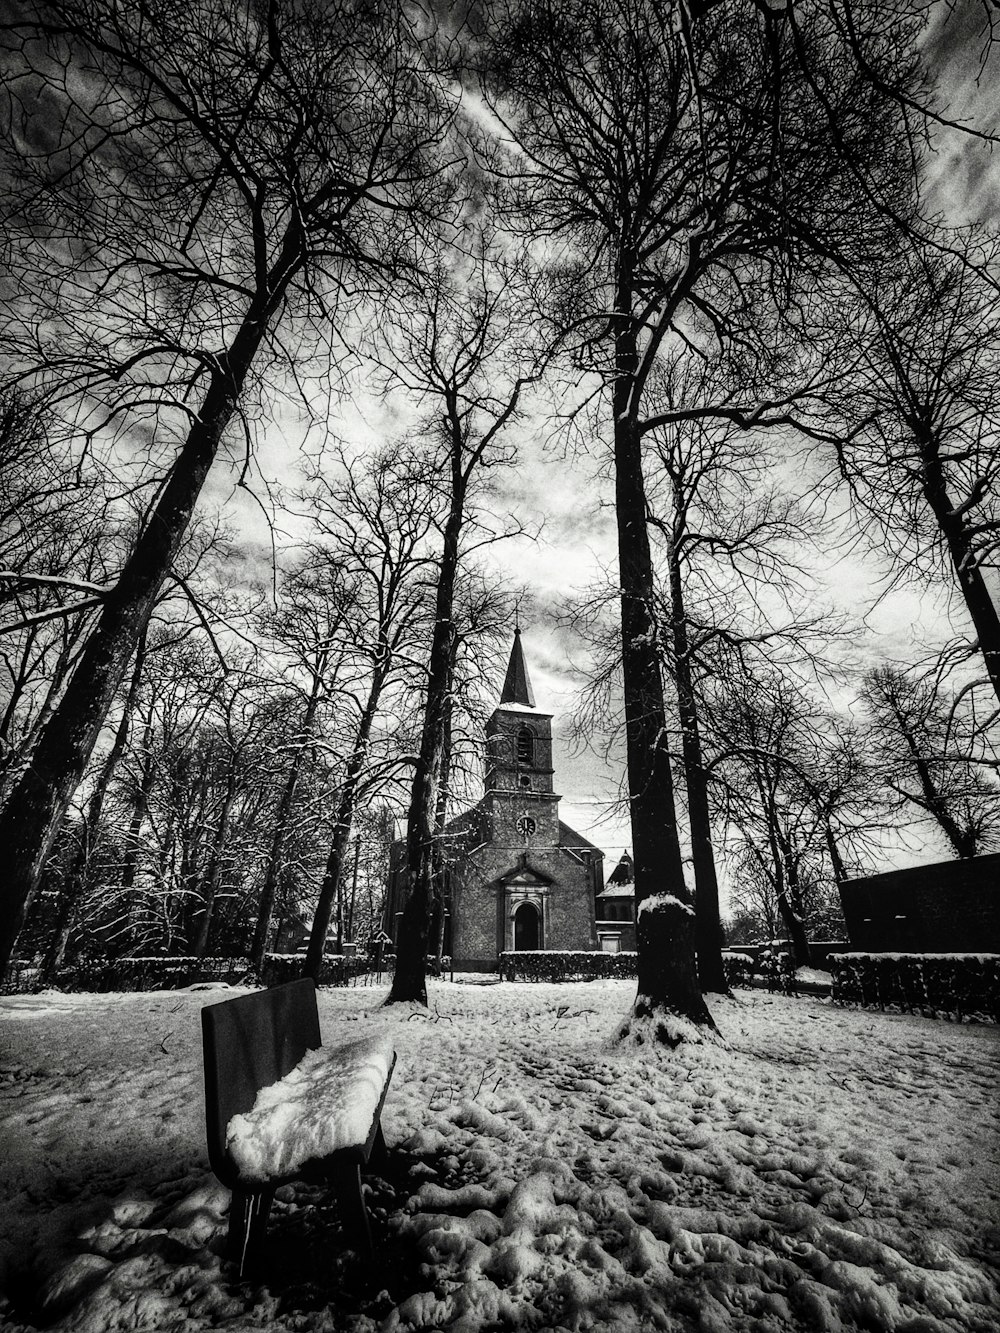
<point>375,522</point>
<point>463,357</point>
<point>310,626</point>
<point>679,160</point>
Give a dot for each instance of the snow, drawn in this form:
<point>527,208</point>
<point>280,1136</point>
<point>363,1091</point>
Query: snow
<point>327,1102</point>
<point>814,976</point>
<point>827,1169</point>
<point>920,957</point>
<point>660,902</point>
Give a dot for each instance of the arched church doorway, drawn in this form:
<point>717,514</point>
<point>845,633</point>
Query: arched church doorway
<point>526,927</point>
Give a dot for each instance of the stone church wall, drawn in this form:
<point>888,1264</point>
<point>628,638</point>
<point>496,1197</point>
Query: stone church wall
<point>481,918</point>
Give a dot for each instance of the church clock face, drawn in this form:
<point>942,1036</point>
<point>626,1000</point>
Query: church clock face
<point>526,826</point>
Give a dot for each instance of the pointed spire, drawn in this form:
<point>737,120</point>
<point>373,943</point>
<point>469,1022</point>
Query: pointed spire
<point>517,685</point>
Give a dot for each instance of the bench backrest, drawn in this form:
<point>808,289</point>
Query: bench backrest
<point>249,1043</point>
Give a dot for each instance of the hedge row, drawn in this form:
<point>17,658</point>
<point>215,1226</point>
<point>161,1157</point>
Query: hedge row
<point>776,968</point>
<point>161,973</point>
<point>739,968</point>
<point>938,985</point>
<point>565,965</point>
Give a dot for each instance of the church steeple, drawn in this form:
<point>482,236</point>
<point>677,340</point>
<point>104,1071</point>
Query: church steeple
<point>517,684</point>
<point>519,751</point>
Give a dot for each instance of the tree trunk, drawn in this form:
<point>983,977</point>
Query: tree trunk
<point>330,889</point>
<point>708,923</point>
<point>354,889</point>
<point>962,840</point>
<point>836,860</point>
<point>214,873</point>
<point>965,562</point>
<point>339,915</point>
<point>796,931</point>
<point>265,909</point>
<point>77,876</point>
<point>35,809</point>
<point>332,876</point>
<point>130,864</point>
<point>409,982</point>
<point>666,942</point>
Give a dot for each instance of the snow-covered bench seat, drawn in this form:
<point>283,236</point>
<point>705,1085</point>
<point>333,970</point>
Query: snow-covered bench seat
<point>281,1107</point>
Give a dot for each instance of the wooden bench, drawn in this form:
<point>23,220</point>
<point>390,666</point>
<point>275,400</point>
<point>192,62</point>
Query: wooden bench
<point>249,1044</point>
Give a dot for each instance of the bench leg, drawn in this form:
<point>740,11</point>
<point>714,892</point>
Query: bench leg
<point>248,1214</point>
<point>379,1156</point>
<point>346,1182</point>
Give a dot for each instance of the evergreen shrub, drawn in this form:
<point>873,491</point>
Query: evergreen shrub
<point>937,985</point>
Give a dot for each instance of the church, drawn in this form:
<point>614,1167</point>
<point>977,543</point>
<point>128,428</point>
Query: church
<point>516,876</point>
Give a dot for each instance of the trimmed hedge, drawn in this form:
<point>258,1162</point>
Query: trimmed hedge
<point>738,968</point>
<point>337,969</point>
<point>151,973</point>
<point>565,965</point>
<point>173,973</point>
<point>937,985</point>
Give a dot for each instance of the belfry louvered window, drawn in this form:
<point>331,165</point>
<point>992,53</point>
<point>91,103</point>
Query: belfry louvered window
<point>525,746</point>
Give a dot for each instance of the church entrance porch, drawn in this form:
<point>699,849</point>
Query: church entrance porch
<point>526,928</point>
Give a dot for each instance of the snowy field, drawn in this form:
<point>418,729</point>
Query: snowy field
<point>829,1170</point>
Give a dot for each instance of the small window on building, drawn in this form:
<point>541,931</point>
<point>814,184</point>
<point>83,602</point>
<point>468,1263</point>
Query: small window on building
<point>525,746</point>
<point>526,784</point>
<point>611,943</point>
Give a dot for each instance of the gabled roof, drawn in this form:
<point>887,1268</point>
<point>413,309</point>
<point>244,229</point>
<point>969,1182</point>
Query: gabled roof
<point>570,838</point>
<point>517,685</point>
<point>524,874</point>
<point>617,891</point>
<point>466,828</point>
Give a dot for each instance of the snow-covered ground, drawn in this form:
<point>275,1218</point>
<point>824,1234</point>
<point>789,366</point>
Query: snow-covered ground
<point>831,1169</point>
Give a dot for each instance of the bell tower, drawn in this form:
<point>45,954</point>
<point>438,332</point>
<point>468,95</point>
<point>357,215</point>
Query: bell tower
<point>522,806</point>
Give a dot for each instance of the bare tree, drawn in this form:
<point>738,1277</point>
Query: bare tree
<point>799,795</point>
<point>769,737</point>
<point>924,757</point>
<point>91,823</point>
<point>680,161</point>
<point>923,470</point>
<point>462,356</point>
<point>375,522</point>
<point>174,208</point>
<point>56,539</point>
<point>310,626</point>
<point>730,541</point>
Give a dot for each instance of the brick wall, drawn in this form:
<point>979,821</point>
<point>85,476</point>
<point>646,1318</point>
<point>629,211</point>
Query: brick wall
<point>947,907</point>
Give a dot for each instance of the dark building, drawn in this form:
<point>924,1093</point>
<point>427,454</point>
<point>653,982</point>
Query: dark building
<point>614,908</point>
<point>516,876</point>
<point>947,907</point>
